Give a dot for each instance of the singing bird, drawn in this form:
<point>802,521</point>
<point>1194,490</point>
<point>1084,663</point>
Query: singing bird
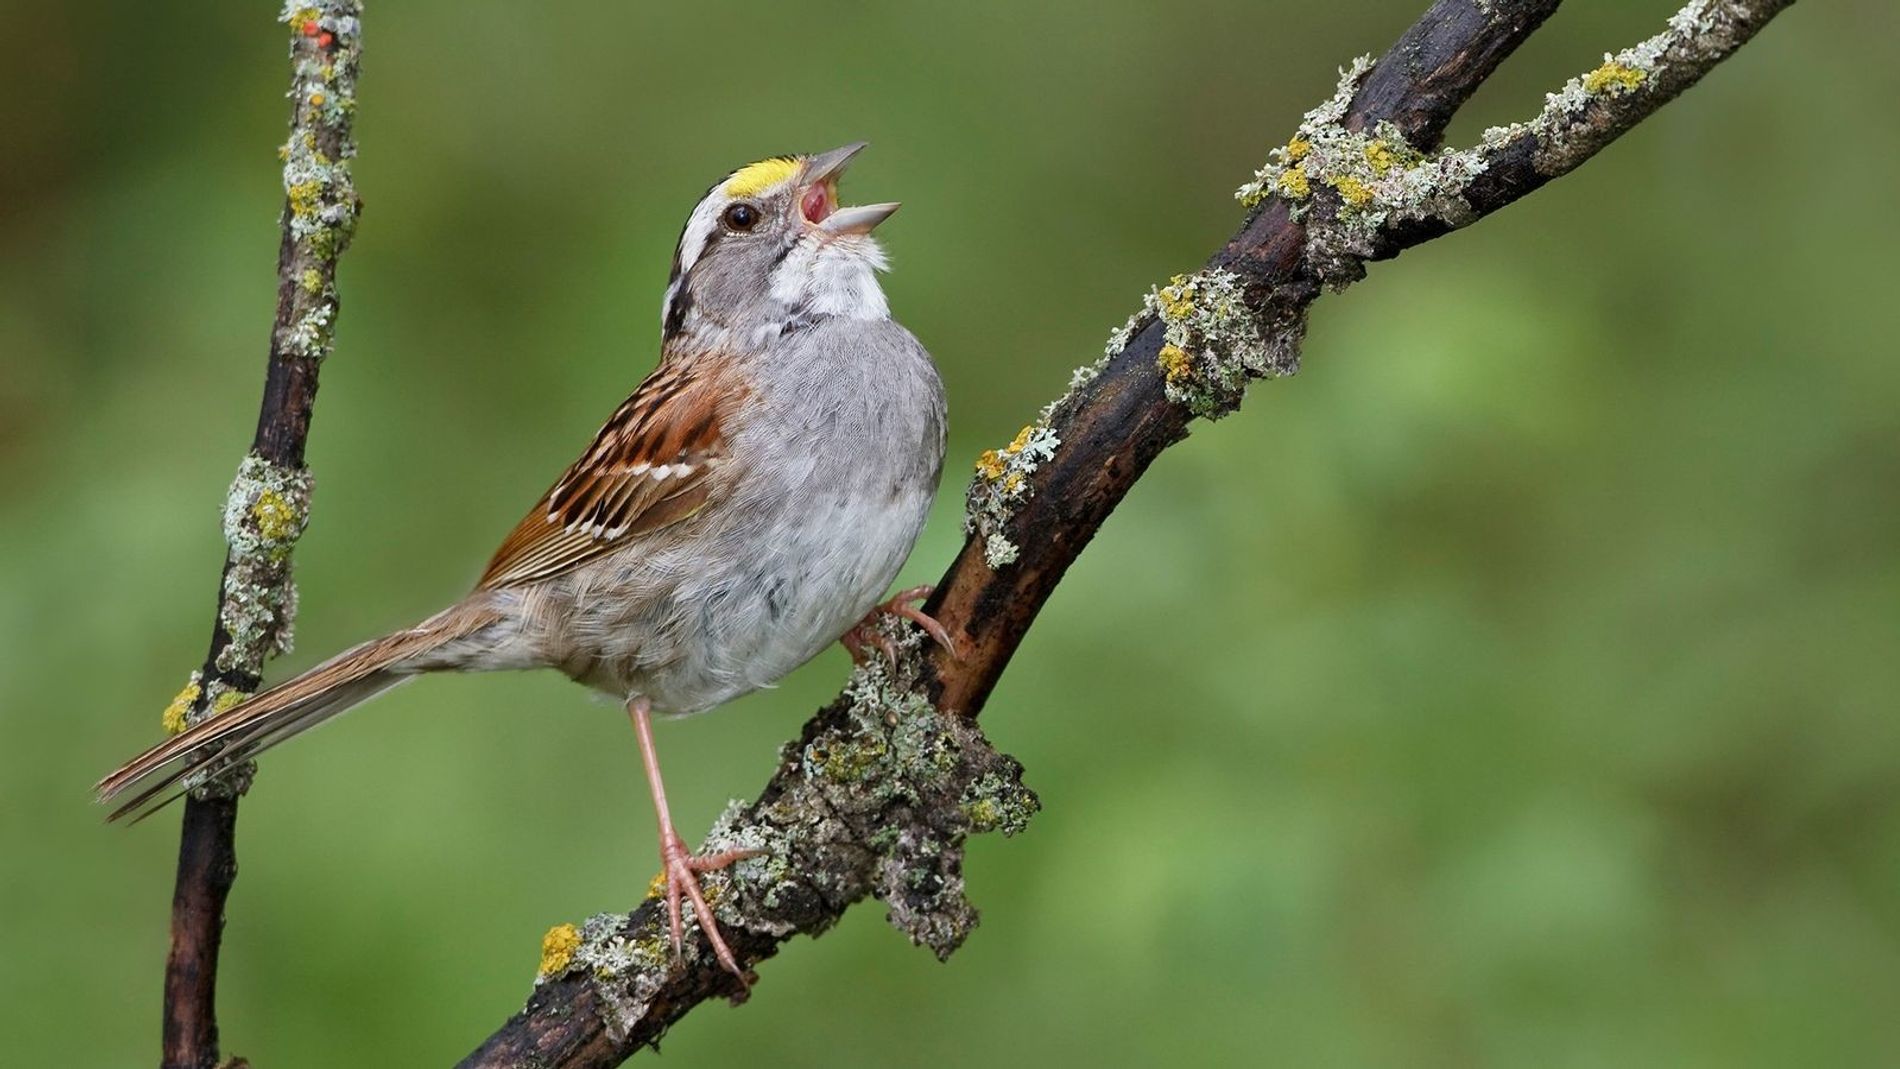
<point>745,508</point>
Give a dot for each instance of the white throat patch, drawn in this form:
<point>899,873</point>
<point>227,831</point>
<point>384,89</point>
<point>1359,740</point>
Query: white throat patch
<point>833,276</point>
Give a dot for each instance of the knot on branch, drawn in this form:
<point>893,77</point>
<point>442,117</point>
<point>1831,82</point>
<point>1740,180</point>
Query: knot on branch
<point>876,797</point>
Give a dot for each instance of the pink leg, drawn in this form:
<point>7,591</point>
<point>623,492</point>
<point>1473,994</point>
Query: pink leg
<point>899,604</point>
<point>681,866</point>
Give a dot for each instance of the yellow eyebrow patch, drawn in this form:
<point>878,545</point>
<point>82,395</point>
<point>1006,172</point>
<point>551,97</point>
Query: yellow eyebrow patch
<point>755,178</point>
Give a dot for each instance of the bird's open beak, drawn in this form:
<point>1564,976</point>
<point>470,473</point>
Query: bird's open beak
<point>819,198</point>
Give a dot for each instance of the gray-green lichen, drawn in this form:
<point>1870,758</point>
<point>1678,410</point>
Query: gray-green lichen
<point>1215,342</point>
<point>320,201</point>
<point>1348,187</point>
<point>876,798</point>
<point>200,700</point>
<point>264,515</point>
<point>269,504</point>
<point>1361,182</point>
<point>1002,475</point>
<point>1564,130</point>
<point>1002,482</point>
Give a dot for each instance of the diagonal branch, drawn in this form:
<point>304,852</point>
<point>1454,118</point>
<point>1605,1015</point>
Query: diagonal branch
<point>878,792</point>
<point>268,506</point>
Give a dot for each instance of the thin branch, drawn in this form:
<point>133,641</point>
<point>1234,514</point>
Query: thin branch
<point>1592,110</point>
<point>268,506</point>
<point>876,795</point>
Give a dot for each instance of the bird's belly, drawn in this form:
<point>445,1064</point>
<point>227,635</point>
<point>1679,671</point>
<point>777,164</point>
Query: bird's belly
<point>769,600</point>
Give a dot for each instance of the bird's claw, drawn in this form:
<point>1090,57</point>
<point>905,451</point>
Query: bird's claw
<point>680,868</point>
<point>866,632</point>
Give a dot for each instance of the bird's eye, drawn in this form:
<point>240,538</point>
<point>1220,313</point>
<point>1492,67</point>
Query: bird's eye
<point>742,217</point>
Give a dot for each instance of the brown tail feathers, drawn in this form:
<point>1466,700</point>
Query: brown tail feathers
<point>284,711</point>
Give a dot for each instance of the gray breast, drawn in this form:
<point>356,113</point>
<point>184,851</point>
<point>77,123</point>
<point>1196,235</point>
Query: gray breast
<point>841,450</point>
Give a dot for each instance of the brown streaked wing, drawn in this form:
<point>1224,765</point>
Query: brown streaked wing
<point>653,464</point>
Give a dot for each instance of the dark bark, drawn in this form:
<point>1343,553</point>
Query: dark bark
<point>207,865</point>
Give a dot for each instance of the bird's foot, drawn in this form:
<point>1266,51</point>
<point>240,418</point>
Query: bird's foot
<point>680,868</point>
<point>866,634</point>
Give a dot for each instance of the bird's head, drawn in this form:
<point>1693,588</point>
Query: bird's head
<point>769,247</point>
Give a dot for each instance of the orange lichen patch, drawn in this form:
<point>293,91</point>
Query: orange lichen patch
<point>558,947</point>
<point>175,718</point>
<point>1176,363</point>
<point>1353,191</point>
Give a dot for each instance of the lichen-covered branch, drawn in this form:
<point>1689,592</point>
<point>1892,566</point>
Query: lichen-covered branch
<point>1364,192</point>
<point>877,794</point>
<point>1594,109</point>
<point>874,798</point>
<point>269,502</point>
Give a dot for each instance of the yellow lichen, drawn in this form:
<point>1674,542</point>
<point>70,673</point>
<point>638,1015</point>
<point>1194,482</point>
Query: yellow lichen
<point>984,814</point>
<point>992,463</point>
<point>657,885</point>
<point>276,520</point>
<point>558,947</point>
<point>1013,482</point>
<point>175,718</point>
<point>1297,149</point>
<point>312,281</point>
<point>226,701</point>
<point>1353,191</point>
<point>303,198</point>
<point>1613,77</point>
<point>1176,298</point>
<point>1293,183</point>
<point>316,100</point>
<point>301,15</point>
<point>1176,363</point>
<point>1380,156</point>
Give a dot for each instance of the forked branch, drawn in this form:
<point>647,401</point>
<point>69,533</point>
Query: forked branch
<point>878,792</point>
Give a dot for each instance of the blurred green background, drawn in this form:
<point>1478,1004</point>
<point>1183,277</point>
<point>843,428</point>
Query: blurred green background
<point>1515,686</point>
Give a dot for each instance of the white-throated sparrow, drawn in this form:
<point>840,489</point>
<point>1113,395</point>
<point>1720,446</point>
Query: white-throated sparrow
<point>744,508</point>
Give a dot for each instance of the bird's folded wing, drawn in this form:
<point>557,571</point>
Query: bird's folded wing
<point>658,460</point>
